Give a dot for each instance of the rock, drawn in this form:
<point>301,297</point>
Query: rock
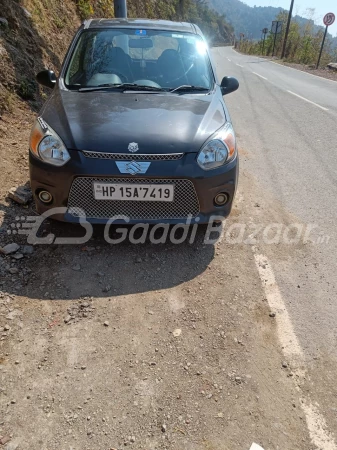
<point>132,439</point>
<point>67,319</point>
<point>238,380</point>
<point>177,332</point>
<point>284,365</point>
<point>76,267</point>
<point>3,22</point>
<point>332,66</point>
<point>28,250</point>
<point>13,445</point>
<point>21,194</point>
<point>83,367</point>
<point>164,428</point>
<point>17,256</point>
<point>7,327</point>
<point>4,439</point>
<point>10,248</point>
<point>272,314</point>
<point>106,289</point>
<point>27,13</point>
<point>13,270</point>
<point>106,323</point>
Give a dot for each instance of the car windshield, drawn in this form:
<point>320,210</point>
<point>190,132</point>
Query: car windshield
<point>150,58</point>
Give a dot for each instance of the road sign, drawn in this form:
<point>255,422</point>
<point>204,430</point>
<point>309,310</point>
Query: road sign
<point>276,26</point>
<point>329,19</point>
<point>265,30</point>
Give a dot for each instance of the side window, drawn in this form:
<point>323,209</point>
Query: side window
<point>74,66</point>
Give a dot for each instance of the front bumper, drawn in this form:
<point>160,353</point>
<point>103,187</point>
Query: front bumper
<point>59,181</point>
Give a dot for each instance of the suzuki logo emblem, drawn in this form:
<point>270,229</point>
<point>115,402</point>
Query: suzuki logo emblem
<point>132,167</point>
<point>133,147</point>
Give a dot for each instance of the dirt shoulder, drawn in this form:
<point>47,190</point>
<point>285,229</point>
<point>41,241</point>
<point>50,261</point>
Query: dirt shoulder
<point>148,346</point>
<point>321,72</point>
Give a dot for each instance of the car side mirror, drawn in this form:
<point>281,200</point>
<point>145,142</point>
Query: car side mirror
<point>228,85</point>
<point>46,78</point>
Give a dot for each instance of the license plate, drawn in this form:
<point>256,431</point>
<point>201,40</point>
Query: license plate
<point>139,192</point>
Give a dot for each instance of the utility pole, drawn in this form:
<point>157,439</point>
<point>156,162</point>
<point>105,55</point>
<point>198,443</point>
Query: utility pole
<point>287,29</point>
<point>276,28</point>
<point>120,7</point>
<point>241,37</point>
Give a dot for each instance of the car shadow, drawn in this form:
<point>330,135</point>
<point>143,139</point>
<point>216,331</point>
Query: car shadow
<point>98,268</point>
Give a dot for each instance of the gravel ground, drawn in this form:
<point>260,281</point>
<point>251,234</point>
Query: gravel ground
<point>148,346</point>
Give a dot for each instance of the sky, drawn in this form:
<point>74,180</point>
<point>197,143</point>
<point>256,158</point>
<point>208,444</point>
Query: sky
<point>300,6</point>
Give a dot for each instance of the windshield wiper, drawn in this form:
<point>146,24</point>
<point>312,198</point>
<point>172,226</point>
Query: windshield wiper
<point>123,87</point>
<point>190,88</point>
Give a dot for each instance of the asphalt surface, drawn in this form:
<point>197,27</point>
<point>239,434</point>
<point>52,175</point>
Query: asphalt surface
<point>292,154</point>
<point>288,145</point>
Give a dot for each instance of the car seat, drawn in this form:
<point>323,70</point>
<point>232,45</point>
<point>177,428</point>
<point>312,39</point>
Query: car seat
<point>171,69</point>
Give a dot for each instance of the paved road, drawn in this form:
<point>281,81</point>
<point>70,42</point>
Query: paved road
<point>287,129</point>
<point>314,89</point>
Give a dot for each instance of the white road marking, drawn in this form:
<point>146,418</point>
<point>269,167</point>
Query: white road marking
<point>289,342</point>
<point>317,426</point>
<point>229,60</point>
<point>239,65</point>
<point>309,101</point>
<point>260,76</point>
<point>319,434</point>
<point>255,447</point>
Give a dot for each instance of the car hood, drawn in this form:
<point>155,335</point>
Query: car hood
<point>106,121</point>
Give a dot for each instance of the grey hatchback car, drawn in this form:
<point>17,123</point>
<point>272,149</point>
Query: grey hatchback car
<point>136,128</point>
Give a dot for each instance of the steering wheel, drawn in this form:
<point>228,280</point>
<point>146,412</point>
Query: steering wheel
<point>181,78</point>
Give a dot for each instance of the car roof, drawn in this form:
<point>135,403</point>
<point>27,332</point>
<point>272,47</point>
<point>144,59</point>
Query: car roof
<point>143,23</point>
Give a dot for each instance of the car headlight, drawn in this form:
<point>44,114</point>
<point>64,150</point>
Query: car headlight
<point>45,144</point>
<point>219,150</point>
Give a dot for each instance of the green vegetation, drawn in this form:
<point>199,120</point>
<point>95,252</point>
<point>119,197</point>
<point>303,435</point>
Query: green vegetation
<point>27,89</point>
<point>303,44</point>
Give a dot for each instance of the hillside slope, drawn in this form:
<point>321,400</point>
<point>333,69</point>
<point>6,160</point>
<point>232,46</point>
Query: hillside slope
<point>251,20</point>
<point>36,33</point>
<point>244,18</point>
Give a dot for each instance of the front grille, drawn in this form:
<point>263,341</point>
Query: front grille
<point>81,198</point>
<point>133,157</point>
